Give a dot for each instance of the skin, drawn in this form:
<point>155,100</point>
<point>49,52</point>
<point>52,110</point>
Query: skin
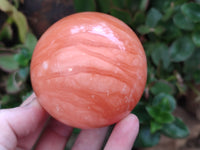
<point>21,127</point>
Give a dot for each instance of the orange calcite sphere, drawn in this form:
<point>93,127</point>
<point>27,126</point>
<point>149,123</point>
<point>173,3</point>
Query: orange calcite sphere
<point>89,70</point>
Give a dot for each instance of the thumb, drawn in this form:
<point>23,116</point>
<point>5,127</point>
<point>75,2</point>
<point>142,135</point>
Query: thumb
<point>21,121</point>
<point>25,118</point>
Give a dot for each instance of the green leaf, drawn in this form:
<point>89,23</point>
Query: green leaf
<point>22,25</point>
<point>160,54</point>
<point>6,33</point>
<point>177,129</point>
<point>168,13</point>
<point>86,5</point>
<point>162,87</point>
<point>9,101</point>
<point>197,76</point>
<point>161,5</point>
<point>192,11</point>
<point>30,42</point>
<point>23,73</point>
<point>146,138</point>
<point>196,38</point>
<point>104,5</point>
<point>133,5</point>
<point>76,130</point>
<point>159,115</point>
<point>23,57</point>
<point>4,100</point>
<point>5,6</point>
<point>122,15</point>
<point>182,22</point>
<point>118,3</point>
<point>158,30</point>
<point>141,113</point>
<point>139,18</point>
<point>155,126</point>
<point>7,63</point>
<point>11,84</point>
<point>18,18</point>
<point>144,4</point>
<point>26,95</point>
<point>153,17</point>
<point>190,65</point>
<point>172,32</point>
<point>143,29</point>
<point>181,49</point>
<point>165,101</point>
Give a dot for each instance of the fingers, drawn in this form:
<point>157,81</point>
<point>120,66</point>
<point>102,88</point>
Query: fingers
<point>21,122</point>
<point>21,126</point>
<point>54,137</point>
<point>90,139</point>
<point>123,134</point>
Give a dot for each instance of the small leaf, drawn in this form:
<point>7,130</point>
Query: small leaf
<point>8,63</point>
<point>11,84</point>
<point>143,29</point>
<point>9,101</point>
<point>182,22</point>
<point>197,76</point>
<point>6,33</point>
<point>146,138</point>
<point>177,129</point>
<point>86,5</point>
<point>153,17</point>
<point>144,4</point>
<point>23,73</point>
<point>133,5</point>
<point>159,115</point>
<point>118,3</point>
<point>161,5</point>
<point>30,42</point>
<point>23,57</point>
<point>165,101</point>
<point>17,16</point>
<point>181,49</point>
<point>139,18</point>
<point>158,30</point>
<point>162,87</point>
<point>192,11</point>
<point>26,95</point>
<point>4,100</point>
<point>172,32</point>
<point>122,15</point>
<point>5,6</point>
<point>168,13</point>
<point>141,113</point>
<point>196,38</point>
<point>160,54</point>
<point>104,5</point>
<point>155,126</point>
<point>76,130</point>
<point>190,65</point>
<point>22,25</point>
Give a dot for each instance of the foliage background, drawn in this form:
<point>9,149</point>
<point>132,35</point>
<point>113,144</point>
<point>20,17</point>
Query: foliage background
<point>170,33</point>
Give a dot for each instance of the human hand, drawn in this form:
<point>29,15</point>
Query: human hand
<point>21,127</point>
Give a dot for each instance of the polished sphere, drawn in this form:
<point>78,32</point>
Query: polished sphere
<point>89,70</point>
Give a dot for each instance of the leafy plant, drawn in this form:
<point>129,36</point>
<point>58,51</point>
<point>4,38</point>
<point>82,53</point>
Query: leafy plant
<point>170,33</point>
<point>16,48</point>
